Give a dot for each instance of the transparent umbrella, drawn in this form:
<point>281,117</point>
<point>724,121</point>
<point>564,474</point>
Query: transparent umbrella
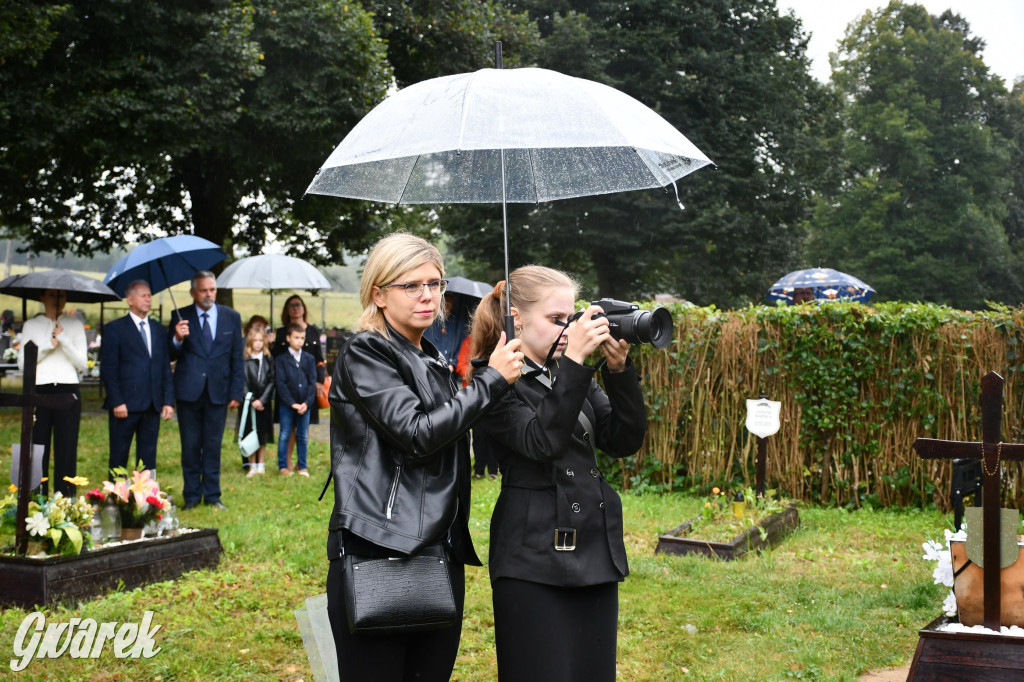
<point>515,135</point>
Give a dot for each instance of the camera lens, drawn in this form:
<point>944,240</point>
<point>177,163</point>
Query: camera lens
<point>653,327</point>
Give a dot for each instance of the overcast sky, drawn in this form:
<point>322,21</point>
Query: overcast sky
<point>999,22</point>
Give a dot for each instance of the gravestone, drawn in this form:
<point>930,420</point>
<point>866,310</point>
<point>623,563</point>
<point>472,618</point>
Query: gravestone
<point>946,655</point>
<point>27,581</point>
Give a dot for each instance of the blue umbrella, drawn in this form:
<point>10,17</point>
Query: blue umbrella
<point>164,262</point>
<point>826,283</point>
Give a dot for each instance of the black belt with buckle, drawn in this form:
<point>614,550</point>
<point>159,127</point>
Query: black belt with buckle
<point>565,539</point>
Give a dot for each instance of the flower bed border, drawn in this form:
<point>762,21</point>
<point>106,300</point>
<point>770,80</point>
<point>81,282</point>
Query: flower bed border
<point>30,581</point>
<point>776,526</point>
<point>966,655</point>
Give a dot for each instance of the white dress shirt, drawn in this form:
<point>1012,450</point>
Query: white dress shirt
<point>137,321</point>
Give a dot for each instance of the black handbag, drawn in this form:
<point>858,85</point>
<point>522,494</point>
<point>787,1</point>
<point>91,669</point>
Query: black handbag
<point>391,595</point>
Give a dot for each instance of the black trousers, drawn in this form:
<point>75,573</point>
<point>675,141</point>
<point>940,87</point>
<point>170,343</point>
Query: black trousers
<point>547,633</point>
<point>421,656</point>
<point>484,457</point>
<point>145,428</point>
<point>62,427</point>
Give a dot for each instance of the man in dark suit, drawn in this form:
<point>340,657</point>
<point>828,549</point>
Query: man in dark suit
<point>209,379</point>
<point>135,367</point>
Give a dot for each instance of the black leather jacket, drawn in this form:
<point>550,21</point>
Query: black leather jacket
<point>400,446</point>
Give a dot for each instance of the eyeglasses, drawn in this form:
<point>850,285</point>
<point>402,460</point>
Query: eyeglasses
<point>415,289</point>
<point>296,304</point>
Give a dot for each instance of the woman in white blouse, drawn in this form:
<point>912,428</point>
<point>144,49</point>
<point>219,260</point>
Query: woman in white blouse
<point>62,355</point>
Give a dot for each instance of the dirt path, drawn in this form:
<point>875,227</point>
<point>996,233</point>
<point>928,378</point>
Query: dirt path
<point>897,675</point>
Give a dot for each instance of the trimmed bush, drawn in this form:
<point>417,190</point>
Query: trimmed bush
<point>858,383</point>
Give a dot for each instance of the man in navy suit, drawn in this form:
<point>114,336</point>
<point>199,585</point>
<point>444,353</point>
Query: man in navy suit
<point>135,367</point>
<point>209,378</point>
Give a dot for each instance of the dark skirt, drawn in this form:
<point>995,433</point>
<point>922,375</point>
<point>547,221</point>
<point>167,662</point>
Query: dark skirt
<point>548,632</point>
<point>264,425</point>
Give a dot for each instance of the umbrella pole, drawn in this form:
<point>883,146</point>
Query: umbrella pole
<point>169,291</point>
<point>510,325</point>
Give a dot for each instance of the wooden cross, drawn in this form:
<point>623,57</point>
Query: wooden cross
<point>991,451</point>
<point>28,401</point>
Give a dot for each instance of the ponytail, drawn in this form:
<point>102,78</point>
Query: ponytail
<point>487,324</point>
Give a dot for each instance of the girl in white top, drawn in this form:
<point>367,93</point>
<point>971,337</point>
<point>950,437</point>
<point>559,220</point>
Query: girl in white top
<point>62,355</point>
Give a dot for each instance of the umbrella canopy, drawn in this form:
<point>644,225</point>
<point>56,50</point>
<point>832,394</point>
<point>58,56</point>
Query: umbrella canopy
<point>516,135</point>
<point>80,289</point>
<point>468,287</point>
<point>825,283</point>
<point>272,271</point>
<point>164,262</point>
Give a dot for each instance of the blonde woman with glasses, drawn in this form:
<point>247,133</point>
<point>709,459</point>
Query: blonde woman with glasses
<point>400,454</point>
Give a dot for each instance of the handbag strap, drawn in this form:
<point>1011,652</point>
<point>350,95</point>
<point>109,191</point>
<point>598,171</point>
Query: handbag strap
<point>245,411</point>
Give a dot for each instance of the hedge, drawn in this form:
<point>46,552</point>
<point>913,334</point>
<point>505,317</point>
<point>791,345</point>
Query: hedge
<point>857,384</point>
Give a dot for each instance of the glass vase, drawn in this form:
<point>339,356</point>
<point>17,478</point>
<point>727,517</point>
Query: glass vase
<point>111,523</point>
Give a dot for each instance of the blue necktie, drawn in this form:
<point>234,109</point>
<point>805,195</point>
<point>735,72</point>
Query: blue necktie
<point>145,337</point>
<point>207,334</point>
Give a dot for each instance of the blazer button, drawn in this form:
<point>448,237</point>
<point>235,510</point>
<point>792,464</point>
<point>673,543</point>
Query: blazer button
<point>595,473</point>
<point>570,473</point>
<point>601,506</point>
<point>576,507</point>
<point>586,437</point>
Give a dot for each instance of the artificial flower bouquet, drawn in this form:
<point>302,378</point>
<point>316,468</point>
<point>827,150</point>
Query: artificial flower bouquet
<point>138,497</point>
<point>57,525</point>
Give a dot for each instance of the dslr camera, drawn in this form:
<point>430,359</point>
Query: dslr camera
<point>627,321</point>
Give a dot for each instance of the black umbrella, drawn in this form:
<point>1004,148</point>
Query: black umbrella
<point>80,289</point>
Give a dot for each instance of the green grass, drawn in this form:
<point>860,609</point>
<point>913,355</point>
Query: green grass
<point>845,593</point>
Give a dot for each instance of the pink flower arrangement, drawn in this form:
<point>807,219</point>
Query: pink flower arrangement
<point>137,496</point>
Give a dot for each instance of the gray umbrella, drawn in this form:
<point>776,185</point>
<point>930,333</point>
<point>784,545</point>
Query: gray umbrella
<point>272,271</point>
<point>80,289</point>
<point>468,287</point>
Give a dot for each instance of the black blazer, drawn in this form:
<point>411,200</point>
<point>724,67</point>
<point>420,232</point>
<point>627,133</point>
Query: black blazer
<point>218,370</point>
<point>129,375</point>
<point>550,479</point>
<point>259,379</point>
<point>311,346</point>
<point>295,384</point>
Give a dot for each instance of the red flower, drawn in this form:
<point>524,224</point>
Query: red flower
<point>96,495</point>
<point>155,501</point>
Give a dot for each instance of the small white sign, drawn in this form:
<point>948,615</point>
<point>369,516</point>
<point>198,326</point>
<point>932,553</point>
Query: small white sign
<point>763,417</point>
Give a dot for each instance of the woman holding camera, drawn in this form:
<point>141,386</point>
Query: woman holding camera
<point>556,553</point>
<point>400,454</point>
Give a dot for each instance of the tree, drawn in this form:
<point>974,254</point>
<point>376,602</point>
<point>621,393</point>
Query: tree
<point>734,78</point>
<point>144,118</point>
<point>920,209</point>
<point>432,38</point>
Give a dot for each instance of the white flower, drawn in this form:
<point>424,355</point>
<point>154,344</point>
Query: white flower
<point>943,573</point>
<point>949,605</point>
<point>932,550</point>
<point>37,524</point>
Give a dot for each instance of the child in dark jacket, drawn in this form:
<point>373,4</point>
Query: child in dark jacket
<point>259,381</point>
<point>295,379</point>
